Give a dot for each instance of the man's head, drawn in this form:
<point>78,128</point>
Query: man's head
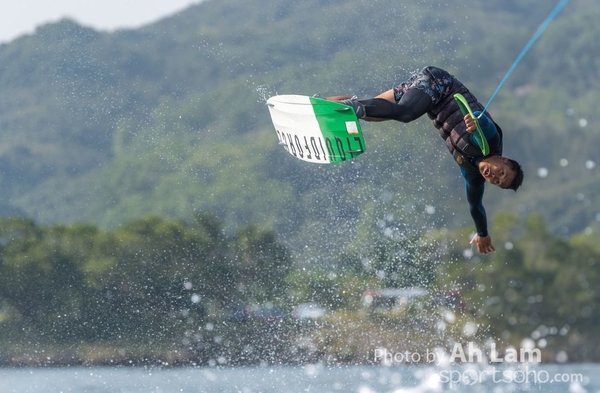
<point>502,172</point>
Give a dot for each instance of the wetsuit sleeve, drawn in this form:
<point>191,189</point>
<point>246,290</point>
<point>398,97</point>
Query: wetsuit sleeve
<point>487,126</point>
<point>475,199</point>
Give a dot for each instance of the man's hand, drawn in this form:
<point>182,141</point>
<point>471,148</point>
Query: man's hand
<point>484,243</point>
<point>471,123</point>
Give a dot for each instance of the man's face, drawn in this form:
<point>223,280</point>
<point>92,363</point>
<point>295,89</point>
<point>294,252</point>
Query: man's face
<point>497,171</point>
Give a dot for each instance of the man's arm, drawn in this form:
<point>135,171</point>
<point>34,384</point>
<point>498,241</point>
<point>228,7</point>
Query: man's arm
<point>487,126</point>
<point>475,199</point>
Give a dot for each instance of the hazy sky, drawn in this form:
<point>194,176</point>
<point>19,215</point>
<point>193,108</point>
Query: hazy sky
<point>18,17</point>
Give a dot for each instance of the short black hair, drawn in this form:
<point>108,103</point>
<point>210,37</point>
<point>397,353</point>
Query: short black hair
<point>518,179</point>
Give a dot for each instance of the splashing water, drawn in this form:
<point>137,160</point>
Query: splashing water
<point>264,92</point>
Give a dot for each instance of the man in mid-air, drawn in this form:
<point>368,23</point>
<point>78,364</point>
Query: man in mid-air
<point>432,91</point>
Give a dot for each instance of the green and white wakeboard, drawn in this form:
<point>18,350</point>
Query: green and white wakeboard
<point>316,130</point>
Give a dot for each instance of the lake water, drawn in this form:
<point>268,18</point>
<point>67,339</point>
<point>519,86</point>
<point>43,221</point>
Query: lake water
<point>572,378</point>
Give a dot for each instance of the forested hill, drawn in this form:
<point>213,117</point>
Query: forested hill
<point>170,118</point>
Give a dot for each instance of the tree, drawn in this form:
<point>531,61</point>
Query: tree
<point>40,278</point>
<point>260,264</point>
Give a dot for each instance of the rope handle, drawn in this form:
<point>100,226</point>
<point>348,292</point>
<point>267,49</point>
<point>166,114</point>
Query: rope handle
<point>478,134</point>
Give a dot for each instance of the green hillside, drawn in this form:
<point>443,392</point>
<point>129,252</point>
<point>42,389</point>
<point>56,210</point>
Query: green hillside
<point>103,128</point>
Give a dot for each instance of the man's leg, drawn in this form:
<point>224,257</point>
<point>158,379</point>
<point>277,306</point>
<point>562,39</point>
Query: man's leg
<point>413,104</point>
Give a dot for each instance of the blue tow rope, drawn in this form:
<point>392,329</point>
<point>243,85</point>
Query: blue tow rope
<point>534,38</point>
